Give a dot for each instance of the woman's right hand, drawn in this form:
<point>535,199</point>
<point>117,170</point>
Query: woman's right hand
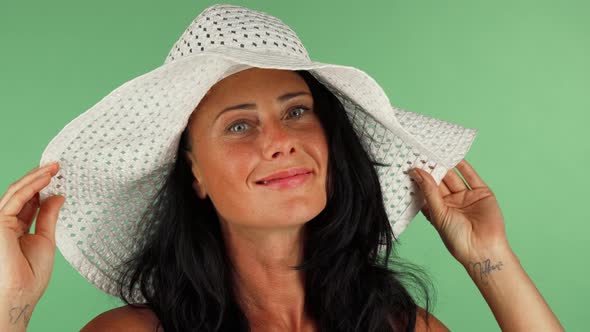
<point>26,260</point>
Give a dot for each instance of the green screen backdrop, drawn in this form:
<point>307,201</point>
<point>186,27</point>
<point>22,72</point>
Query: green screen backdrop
<point>519,71</point>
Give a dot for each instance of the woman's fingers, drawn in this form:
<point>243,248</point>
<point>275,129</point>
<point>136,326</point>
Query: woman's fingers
<point>47,218</point>
<point>25,180</point>
<point>432,194</point>
<point>454,182</point>
<point>444,190</point>
<point>470,175</point>
<point>27,214</point>
<point>15,203</point>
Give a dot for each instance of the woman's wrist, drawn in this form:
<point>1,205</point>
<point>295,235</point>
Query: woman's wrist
<point>514,300</point>
<point>16,308</point>
<point>484,264</point>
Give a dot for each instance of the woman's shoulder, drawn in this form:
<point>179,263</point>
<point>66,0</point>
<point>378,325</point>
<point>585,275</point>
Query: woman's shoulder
<point>128,318</point>
<point>434,325</point>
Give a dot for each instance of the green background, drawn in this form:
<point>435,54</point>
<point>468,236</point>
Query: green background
<point>516,70</point>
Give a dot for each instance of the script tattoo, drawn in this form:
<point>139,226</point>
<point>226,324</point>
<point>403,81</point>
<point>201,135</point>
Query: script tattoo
<point>483,269</point>
<point>18,314</point>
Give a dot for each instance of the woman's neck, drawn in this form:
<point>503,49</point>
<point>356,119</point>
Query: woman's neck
<point>269,292</point>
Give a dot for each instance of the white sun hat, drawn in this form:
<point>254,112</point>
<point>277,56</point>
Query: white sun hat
<point>115,156</point>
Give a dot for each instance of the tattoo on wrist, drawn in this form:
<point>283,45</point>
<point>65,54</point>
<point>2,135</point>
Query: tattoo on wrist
<point>20,314</point>
<point>481,270</point>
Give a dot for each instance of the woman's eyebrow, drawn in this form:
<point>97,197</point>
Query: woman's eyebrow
<point>250,106</point>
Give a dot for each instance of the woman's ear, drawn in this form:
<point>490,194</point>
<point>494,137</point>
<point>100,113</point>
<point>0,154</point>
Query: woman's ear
<point>197,186</point>
<point>199,189</point>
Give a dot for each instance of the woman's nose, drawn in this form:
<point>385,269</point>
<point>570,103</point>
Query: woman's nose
<point>278,140</point>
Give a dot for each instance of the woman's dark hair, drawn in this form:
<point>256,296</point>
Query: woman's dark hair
<point>185,275</point>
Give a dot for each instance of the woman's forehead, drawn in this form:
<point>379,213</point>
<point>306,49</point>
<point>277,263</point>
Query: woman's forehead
<point>248,85</point>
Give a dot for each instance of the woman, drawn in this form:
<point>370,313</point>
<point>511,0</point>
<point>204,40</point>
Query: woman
<point>234,250</point>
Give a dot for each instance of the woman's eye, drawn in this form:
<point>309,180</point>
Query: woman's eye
<point>240,126</point>
<point>305,109</point>
<point>237,125</point>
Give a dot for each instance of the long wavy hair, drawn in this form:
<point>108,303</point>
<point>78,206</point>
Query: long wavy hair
<point>184,273</point>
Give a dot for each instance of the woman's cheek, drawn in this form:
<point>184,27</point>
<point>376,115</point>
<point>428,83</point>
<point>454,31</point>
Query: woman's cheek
<point>236,160</point>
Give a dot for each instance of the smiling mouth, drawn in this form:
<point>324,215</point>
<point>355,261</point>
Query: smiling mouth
<point>286,182</point>
<point>281,179</point>
<point>283,174</point>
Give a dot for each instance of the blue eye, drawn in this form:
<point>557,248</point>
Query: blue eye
<point>236,124</point>
<point>239,123</point>
<point>305,109</point>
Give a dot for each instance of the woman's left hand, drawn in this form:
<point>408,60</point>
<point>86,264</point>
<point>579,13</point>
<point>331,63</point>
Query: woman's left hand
<point>469,221</point>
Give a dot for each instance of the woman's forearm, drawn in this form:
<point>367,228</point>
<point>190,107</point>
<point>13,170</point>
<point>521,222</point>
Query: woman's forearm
<point>514,300</point>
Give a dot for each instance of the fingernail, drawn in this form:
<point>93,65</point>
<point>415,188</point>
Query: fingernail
<point>50,164</point>
<point>414,174</point>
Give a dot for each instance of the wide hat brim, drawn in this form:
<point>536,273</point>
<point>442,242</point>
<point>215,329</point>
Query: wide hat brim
<point>115,156</point>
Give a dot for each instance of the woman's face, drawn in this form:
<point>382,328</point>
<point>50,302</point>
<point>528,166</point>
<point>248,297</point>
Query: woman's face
<point>233,149</point>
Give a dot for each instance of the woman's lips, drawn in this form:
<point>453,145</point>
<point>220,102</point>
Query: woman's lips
<point>285,173</point>
<point>288,182</point>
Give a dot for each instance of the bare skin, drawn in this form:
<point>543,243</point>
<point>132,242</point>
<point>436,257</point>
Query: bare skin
<point>27,259</point>
<point>262,227</point>
<point>468,219</point>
